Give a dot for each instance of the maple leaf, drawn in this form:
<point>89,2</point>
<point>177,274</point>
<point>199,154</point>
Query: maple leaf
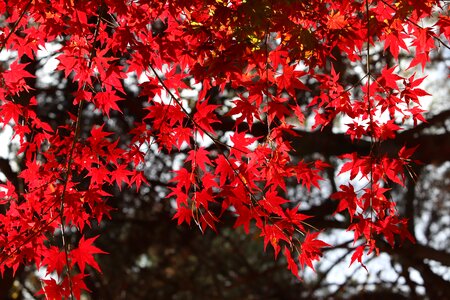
<point>180,196</point>
<point>204,116</point>
<point>274,234</point>
<point>52,290</point>
<point>362,227</point>
<point>336,21</point>
<point>98,175</point>
<point>10,111</point>
<point>395,39</point>
<point>82,96</point>
<point>388,78</point>
<point>244,216</point>
<point>444,26</point>
<point>107,101</point>
<point>388,130</point>
<point>420,58</point>
<point>292,265</point>
<point>15,77</point>
<point>393,169</point>
<point>389,228</point>
<point>120,175</point>
<point>276,109</point>
<point>138,178</point>
<point>357,255</point>
<point>272,202</point>
<point>183,136</point>
<point>311,249</point>
<point>209,181</point>
<point>241,143</point>
<point>224,169</point>
<point>199,157</point>
<point>54,260</point>
<point>207,219</point>
<point>247,112</point>
<point>77,285</point>
<point>184,178</point>
<point>295,217</point>
<point>357,165</point>
<point>84,254</point>
<point>307,176</point>
<point>98,135</point>
<point>289,79</point>
<point>406,153</point>
<point>299,114</point>
<point>183,214</point>
<point>417,115</point>
<point>7,192</point>
<point>203,198</point>
<point>404,231</point>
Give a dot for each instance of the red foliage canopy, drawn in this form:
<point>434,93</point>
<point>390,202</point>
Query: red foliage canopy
<point>264,50</point>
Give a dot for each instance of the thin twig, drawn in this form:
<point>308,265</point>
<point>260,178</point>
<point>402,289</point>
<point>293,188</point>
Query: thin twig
<point>371,125</point>
<point>70,159</point>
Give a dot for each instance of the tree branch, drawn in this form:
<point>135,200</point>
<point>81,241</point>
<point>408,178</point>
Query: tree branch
<point>434,148</point>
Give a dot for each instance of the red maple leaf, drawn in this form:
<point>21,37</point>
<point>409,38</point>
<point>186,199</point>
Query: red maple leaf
<point>199,157</point>
<point>54,260</point>
<point>292,265</point>
<point>183,214</point>
<point>52,290</point>
<point>120,175</point>
<point>84,254</point>
<point>246,110</point>
<point>311,249</point>
<point>205,117</point>
<point>107,101</point>
<point>244,216</point>
<point>336,21</point>
<point>357,255</point>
